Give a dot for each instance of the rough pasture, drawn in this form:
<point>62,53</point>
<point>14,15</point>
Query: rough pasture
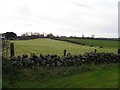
<point>103,75</point>
<point>106,45</point>
<point>94,42</point>
<point>49,46</point>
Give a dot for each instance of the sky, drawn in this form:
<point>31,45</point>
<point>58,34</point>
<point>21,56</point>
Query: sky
<point>60,17</point>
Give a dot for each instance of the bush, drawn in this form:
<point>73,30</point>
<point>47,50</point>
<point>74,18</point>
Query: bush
<point>83,44</point>
<point>91,45</point>
<point>100,46</point>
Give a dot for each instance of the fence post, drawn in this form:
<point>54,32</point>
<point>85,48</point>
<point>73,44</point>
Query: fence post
<point>118,51</point>
<point>11,49</point>
<point>65,52</point>
<point>95,50</point>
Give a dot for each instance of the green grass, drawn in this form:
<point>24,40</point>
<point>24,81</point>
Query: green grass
<point>103,43</point>
<point>85,76</point>
<point>49,46</point>
<point>91,79</point>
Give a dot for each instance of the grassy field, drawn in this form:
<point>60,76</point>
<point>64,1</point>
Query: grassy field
<point>49,46</point>
<point>92,79</point>
<point>85,76</point>
<point>103,43</point>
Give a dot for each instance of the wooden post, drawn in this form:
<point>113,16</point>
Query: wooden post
<point>118,51</point>
<point>65,52</point>
<point>11,49</point>
<point>95,50</point>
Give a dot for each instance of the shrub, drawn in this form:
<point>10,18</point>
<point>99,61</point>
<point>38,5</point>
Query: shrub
<point>91,45</point>
<point>100,46</point>
<point>83,44</point>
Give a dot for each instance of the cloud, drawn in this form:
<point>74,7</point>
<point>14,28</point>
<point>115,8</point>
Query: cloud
<point>62,17</point>
<point>79,4</point>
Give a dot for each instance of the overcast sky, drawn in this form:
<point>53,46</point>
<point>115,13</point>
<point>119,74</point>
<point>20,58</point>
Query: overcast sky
<point>60,17</point>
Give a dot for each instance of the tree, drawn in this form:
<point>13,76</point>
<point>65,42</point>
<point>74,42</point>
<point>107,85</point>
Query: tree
<point>50,35</point>
<point>26,34</point>
<point>92,36</point>
<point>10,35</point>
<point>83,35</point>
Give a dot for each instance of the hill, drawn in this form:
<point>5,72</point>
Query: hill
<point>49,46</point>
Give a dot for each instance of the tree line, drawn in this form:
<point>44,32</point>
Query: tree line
<point>31,35</point>
<point>26,36</point>
<point>36,35</point>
